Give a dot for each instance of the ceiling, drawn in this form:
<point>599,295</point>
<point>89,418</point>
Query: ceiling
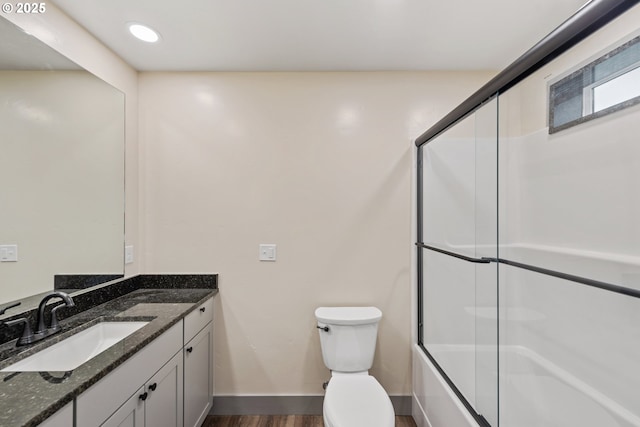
<point>322,35</point>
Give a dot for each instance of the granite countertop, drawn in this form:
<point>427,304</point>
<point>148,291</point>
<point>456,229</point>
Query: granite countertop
<point>28,398</point>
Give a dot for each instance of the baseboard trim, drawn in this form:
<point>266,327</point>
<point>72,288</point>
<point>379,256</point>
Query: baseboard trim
<point>267,405</point>
<point>401,405</point>
<point>286,405</point>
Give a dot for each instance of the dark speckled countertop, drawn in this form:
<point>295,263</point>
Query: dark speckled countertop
<point>28,398</point>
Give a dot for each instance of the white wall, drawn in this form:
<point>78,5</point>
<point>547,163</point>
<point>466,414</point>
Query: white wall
<point>317,163</point>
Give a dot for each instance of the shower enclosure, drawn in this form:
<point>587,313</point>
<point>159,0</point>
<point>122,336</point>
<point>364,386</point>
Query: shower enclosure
<point>528,236</point>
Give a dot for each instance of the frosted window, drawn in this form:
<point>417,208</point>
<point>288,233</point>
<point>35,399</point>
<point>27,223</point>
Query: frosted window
<point>617,90</point>
<point>608,84</point>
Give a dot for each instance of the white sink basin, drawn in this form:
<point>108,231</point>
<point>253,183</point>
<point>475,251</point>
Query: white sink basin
<point>72,352</point>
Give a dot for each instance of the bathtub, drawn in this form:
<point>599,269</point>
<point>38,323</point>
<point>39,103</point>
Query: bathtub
<point>534,392</point>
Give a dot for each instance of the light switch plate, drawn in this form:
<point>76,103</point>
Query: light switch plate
<point>8,253</point>
<point>267,252</point>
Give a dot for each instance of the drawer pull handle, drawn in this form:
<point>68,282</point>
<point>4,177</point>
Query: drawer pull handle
<point>153,386</point>
<point>143,396</point>
<point>189,349</point>
<point>202,309</point>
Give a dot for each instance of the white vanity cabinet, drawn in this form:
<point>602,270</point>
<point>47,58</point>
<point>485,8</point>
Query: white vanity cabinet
<point>168,383</point>
<point>198,364</point>
<point>157,403</point>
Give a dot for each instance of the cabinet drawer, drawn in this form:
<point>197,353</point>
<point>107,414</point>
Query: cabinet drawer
<point>198,319</point>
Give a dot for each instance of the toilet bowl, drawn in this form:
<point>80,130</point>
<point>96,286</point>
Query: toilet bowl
<point>353,398</point>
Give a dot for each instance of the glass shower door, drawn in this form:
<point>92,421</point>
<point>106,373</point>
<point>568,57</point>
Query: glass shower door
<point>459,280</point>
<point>486,231</point>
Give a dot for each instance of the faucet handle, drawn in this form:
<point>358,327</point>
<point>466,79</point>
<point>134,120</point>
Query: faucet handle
<point>27,334</point>
<point>4,309</point>
<point>54,318</point>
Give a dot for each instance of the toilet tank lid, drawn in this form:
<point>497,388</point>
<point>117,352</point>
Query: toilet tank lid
<point>348,315</point>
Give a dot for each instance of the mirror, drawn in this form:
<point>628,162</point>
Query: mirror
<point>61,172</point>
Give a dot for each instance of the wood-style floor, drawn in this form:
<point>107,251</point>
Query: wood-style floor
<point>279,421</point>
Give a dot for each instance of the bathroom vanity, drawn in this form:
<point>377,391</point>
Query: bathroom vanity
<point>161,374</point>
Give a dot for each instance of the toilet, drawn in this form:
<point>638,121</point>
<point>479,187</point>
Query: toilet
<point>353,398</point>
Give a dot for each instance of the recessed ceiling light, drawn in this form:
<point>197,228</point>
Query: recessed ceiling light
<point>143,32</point>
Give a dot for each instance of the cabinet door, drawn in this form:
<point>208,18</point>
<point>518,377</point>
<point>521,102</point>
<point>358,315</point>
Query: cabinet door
<point>130,414</point>
<point>198,390</point>
<point>163,406</point>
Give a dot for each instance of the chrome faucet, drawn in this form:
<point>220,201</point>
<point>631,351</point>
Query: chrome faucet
<point>42,331</point>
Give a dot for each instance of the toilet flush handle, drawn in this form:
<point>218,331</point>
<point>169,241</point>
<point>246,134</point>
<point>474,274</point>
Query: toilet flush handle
<point>324,328</point>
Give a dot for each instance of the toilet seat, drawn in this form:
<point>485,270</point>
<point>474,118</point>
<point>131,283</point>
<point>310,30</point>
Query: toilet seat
<point>357,401</point>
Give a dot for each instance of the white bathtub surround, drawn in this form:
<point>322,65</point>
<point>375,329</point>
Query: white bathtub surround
<point>434,403</point>
<point>533,386</point>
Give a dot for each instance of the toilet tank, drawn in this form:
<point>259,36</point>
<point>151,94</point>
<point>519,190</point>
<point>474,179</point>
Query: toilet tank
<point>349,343</point>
